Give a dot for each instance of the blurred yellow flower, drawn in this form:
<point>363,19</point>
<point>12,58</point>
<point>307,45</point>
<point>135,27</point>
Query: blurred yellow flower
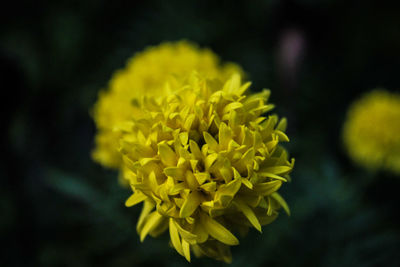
<point>371,132</point>
<point>205,162</point>
<point>145,75</point>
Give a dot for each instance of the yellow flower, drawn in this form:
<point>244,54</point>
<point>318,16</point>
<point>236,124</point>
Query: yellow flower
<point>371,131</point>
<point>205,162</point>
<point>145,75</point>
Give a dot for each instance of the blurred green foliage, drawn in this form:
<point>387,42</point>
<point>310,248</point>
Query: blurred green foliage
<point>58,208</point>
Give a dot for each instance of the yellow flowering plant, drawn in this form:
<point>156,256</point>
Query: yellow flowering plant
<point>199,153</point>
<point>145,74</point>
<point>371,131</point>
<point>205,161</point>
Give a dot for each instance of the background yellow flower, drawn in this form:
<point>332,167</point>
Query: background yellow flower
<point>145,75</point>
<point>371,132</point>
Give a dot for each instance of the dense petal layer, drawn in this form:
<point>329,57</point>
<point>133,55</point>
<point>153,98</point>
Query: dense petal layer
<point>208,162</point>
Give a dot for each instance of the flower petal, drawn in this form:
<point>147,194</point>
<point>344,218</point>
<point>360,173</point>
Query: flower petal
<point>167,155</point>
<point>175,239</point>
<point>277,169</point>
<point>148,206</point>
<point>249,213</point>
<point>135,198</point>
<point>212,144</point>
<point>217,231</point>
<point>267,188</point>
<point>226,192</point>
<point>194,148</point>
<point>191,203</point>
<point>271,175</point>
<point>152,221</point>
<point>185,234</point>
<point>281,201</point>
<point>186,249</point>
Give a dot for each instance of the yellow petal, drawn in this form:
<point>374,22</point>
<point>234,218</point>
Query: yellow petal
<point>160,228</point>
<point>200,232</point>
<point>252,200</point>
<point>190,220</point>
<point>202,177</point>
<point>179,201</point>
<point>247,183</point>
<point>177,188</point>
<point>271,175</point>
<point>267,188</point>
<point>282,125</point>
<point>226,192</point>
<point>167,155</point>
<point>282,136</point>
<point>270,209</point>
<point>232,106</point>
<point>272,145</point>
<point>232,86</point>
<point>182,163</point>
<point>189,121</point>
<point>246,136</point>
<point>232,145</point>
<point>191,180</point>
<point>186,235</point>
<point>281,201</point>
<point>277,169</point>
<point>186,249</point>
<point>243,88</point>
<point>236,174</point>
<point>262,109</point>
<point>226,174</point>
<point>134,199</point>
<point>209,187</point>
<point>153,181</point>
<point>144,161</point>
<point>152,221</point>
<point>248,156</point>
<point>210,159</point>
<point>191,203</point>
<point>194,148</point>
<point>212,144</point>
<point>175,172</point>
<point>184,112</point>
<point>198,111</point>
<point>184,137</point>
<point>249,213</point>
<point>175,239</point>
<point>209,204</point>
<point>234,119</point>
<point>216,230</point>
<point>193,164</point>
<point>148,206</point>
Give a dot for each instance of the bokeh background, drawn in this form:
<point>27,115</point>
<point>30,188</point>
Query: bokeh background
<point>59,208</point>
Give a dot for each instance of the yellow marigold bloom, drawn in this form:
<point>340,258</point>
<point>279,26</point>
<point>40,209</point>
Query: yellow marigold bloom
<point>145,75</point>
<point>205,162</point>
<point>371,131</point>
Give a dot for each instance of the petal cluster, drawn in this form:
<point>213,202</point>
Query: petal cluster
<point>206,162</point>
<point>145,74</point>
<point>371,131</point>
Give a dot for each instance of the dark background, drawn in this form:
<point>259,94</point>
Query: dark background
<point>59,208</point>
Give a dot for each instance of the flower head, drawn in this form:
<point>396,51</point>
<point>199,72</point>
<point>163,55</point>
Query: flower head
<point>371,131</point>
<point>145,75</point>
<point>206,163</point>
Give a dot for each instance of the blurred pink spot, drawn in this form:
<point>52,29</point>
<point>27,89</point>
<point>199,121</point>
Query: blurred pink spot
<point>291,48</point>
